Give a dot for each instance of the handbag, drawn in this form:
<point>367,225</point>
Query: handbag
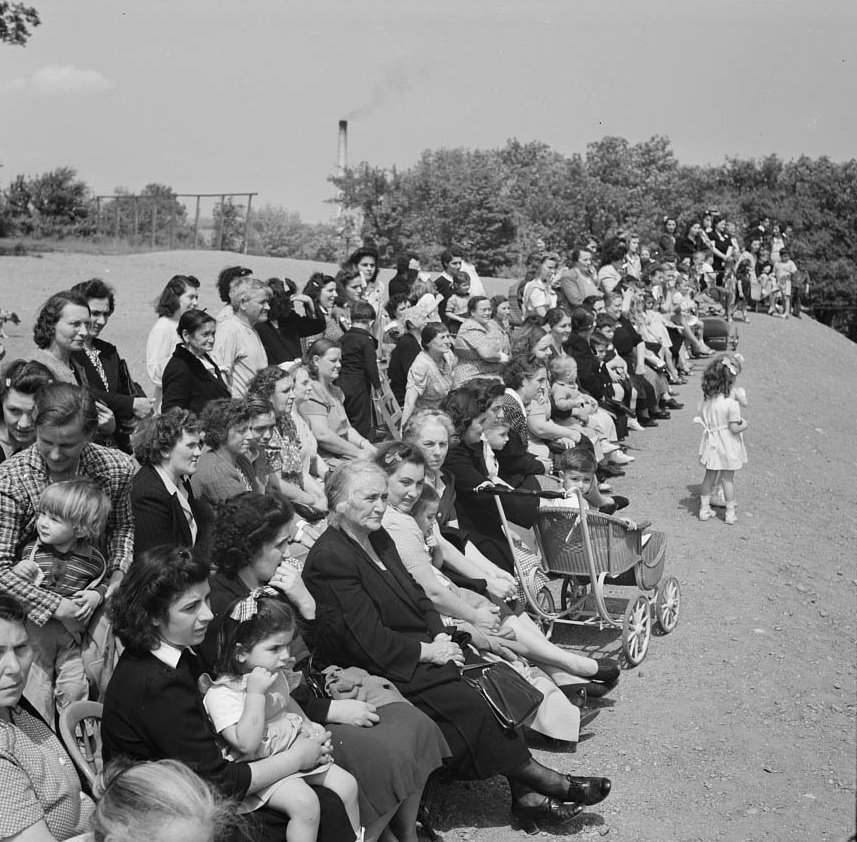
<point>511,698</point>
<point>309,513</point>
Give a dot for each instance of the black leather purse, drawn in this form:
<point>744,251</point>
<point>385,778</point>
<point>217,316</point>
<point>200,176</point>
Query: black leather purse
<point>309,513</point>
<point>511,698</point>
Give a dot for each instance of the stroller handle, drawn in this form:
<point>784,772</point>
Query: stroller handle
<point>501,491</point>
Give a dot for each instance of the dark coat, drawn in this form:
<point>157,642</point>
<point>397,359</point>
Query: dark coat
<point>159,518</point>
<point>189,384</point>
<point>359,359</point>
<point>587,365</point>
<point>401,359</point>
<point>292,327</point>
<point>377,619</point>
<point>121,388</point>
<point>477,513</point>
<point>283,342</point>
<point>153,712</point>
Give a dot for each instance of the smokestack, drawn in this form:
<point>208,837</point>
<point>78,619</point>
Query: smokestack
<point>342,148</point>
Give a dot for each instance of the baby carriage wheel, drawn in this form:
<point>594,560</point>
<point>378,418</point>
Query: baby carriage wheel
<point>545,601</point>
<point>668,604</point>
<point>636,629</point>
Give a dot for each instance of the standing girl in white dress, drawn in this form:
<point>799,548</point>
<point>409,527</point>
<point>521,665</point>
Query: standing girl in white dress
<point>722,450</point>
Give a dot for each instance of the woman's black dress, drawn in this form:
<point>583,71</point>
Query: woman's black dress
<point>377,619</point>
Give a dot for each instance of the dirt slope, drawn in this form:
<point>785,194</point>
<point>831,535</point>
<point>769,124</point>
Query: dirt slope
<point>741,724</point>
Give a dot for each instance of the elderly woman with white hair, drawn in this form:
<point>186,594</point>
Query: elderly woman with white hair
<point>372,614</point>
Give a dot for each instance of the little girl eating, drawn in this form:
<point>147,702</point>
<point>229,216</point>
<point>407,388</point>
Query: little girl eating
<point>250,705</point>
<point>721,451</point>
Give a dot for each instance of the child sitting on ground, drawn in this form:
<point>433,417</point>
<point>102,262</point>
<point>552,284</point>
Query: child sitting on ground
<point>64,562</point>
<point>251,708</point>
<point>456,304</point>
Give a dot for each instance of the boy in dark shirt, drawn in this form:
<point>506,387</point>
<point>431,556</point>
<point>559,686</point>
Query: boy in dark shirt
<point>359,373</point>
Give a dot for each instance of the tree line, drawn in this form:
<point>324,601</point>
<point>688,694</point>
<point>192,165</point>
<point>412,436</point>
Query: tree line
<point>504,201</point>
<point>507,200</point>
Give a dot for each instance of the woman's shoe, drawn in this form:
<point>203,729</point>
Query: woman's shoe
<point>617,457</point>
<point>648,422</point>
<point>672,403</point>
<point>588,791</point>
<point>634,424</point>
<point>608,671</point>
<point>595,690</point>
<point>587,717</point>
<point>549,811</point>
<point>575,693</point>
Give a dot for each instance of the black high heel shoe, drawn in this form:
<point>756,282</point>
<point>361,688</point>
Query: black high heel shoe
<point>576,694</point>
<point>608,671</point>
<point>587,791</point>
<point>549,811</point>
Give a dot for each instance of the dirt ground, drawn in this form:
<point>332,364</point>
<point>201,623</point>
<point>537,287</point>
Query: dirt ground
<point>741,724</point>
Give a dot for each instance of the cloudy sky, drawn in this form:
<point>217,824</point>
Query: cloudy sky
<point>210,96</point>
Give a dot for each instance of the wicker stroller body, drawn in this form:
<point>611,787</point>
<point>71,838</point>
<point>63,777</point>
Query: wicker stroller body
<point>589,552</point>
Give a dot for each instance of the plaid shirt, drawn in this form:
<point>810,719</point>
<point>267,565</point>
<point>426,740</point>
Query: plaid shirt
<point>23,477</point>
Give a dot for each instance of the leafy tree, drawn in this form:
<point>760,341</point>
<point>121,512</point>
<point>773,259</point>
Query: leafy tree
<point>228,226</point>
<point>278,232</point>
<point>55,203</point>
<point>156,204</point>
<point>16,21</point>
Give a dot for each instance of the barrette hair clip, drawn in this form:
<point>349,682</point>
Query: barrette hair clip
<point>392,456</point>
<point>729,365</point>
<point>248,607</point>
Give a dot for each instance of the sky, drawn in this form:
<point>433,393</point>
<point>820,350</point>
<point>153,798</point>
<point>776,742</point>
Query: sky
<point>209,96</point>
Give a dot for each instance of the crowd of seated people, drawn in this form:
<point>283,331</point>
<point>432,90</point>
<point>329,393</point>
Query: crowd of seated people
<point>294,591</point>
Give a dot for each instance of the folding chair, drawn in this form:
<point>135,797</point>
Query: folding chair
<point>80,731</point>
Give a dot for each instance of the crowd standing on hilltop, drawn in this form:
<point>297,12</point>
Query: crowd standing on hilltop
<point>295,587</point>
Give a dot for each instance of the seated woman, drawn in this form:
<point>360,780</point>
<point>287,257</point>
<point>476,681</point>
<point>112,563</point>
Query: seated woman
<point>106,372</point>
<point>191,378</point>
<point>321,290</point>
<point>156,802</point>
<point>224,469</point>
<point>431,430</point>
<point>491,622</point>
<point>392,749</point>
<point>406,351</point>
<point>291,318</point>
<point>179,295</point>
<point>60,332</point>
<point>41,799</point>
<point>166,511</point>
<point>430,375</point>
<point>153,709</point>
<point>470,409</point>
<point>313,464</point>
<point>324,409</point>
<point>479,343</point>
<point>371,614</point>
<point>18,386</point>
<point>277,386</point>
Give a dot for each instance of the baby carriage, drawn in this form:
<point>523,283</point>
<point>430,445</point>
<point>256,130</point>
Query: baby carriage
<point>589,551</point>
